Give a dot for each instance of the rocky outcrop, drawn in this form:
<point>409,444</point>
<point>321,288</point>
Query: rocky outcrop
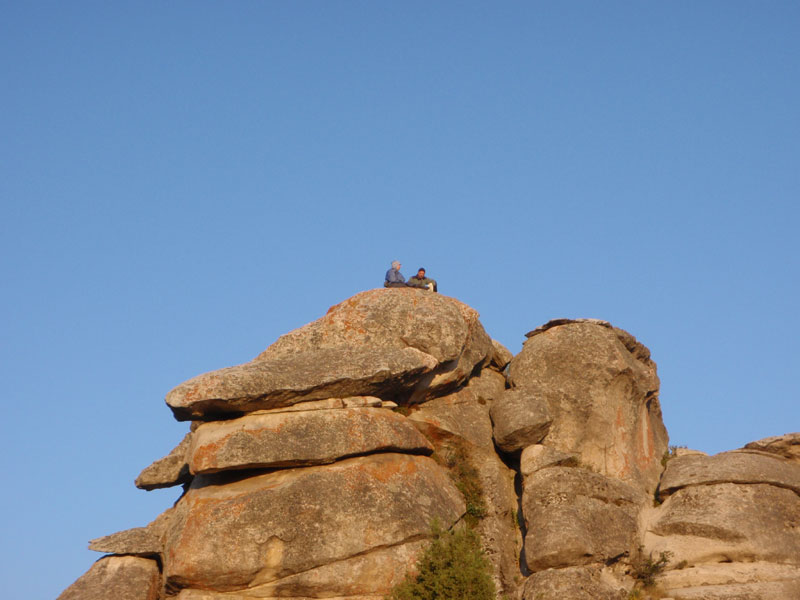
<point>576,517</point>
<point>317,469</point>
<point>402,344</point>
<point>118,577</point>
<point>235,535</point>
<point>291,439</point>
<point>734,520</point>
<point>602,388</point>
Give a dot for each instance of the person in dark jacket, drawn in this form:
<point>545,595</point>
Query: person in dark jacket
<point>419,280</point>
<point>394,278</point>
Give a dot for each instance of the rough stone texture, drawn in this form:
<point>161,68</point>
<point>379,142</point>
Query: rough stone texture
<point>730,467</point>
<point>139,541</point>
<point>573,583</point>
<point>460,422</point>
<point>396,318</point>
<point>728,522</point>
<point>602,389</point>
<point>538,457</point>
<point>366,576</point>
<point>787,445</point>
<point>460,413</point>
<point>301,438</point>
<point>487,386</point>
<point>168,471</point>
<point>521,418</point>
<point>501,356</point>
<point>758,580</point>
<point>390,343</point>
<point>575,517</point>
<point>230,535</point>
<point>329,404</point>
<point>117,577</point>
<point>311,375</point>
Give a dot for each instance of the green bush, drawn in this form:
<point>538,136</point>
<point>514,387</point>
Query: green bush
<point>467,480</point>
<point>453,567</point>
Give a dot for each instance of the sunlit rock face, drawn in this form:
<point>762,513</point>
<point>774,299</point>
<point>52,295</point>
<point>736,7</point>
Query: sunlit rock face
<point>399,344</point>
<point>316,470</point>
<point>601,387</point>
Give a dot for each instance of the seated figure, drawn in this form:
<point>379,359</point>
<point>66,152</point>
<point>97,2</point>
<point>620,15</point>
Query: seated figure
<point>419,280</point>
<point>394,278</point>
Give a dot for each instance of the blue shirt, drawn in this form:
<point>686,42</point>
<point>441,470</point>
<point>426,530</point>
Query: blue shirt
<point>394,276</point>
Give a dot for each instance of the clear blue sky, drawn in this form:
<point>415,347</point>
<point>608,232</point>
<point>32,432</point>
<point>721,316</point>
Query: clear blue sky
<point>182,182</point>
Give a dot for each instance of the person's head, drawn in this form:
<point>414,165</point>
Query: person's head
<point>421,273</point>
<point>396,265</point>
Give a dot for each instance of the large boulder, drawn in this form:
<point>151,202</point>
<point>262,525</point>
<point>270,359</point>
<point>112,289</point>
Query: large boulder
<point>117,577</point>
<point>728,522</point>
<point>787,445</point>
<point>575,517</point>
<point>301,438</point>
<point>169,471</point>
<point>233,534</point>
<point>724,581</point>
<point>730,467</point>
<point>397,344</point>
<point>602,389</point>
<point>573,583</point>
<point>364,577</point>
<point>521,418</point>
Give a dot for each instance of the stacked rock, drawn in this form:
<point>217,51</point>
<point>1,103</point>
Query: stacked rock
<point>317,469</point>
<point>300,480</point>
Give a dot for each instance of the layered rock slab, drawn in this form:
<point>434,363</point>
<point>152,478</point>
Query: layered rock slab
<point>736,466</point>
<point>602,389</point>
<point>260,529</point>
<point>575,517</point>
<point>573,583</point>
<point>728,522</point>
<point>390,343</point>
<point>288,439</point>
<point>118,577</point>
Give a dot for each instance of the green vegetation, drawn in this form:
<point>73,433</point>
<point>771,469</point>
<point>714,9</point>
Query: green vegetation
<point>645,570</point>
<point>467,480</point>
<point>671,452</point>
<point>453,567</point>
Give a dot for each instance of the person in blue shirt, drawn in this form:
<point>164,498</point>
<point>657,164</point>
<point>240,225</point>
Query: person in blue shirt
<point>394,278</point>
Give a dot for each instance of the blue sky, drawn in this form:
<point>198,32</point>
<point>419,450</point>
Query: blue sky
<point>182,182</point>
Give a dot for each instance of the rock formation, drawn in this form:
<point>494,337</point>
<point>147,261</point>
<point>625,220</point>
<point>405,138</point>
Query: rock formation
<point>317,469</point>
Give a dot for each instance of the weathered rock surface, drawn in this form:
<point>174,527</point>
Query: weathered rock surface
<point>460,427</point>
<point>728,522</point>
<point>139,541</point>
<point>757,580</point>
<point>573,583</point>
<point>301,484</point>
<point>730,467</point>
<point>787,446</point>
<point>312,375</point>
<point>301,438</point>
<point>602,389</point>
<point>538,457</point>
<point>234,535</point>
<point>168,471</point>
<point>575,517</point>
<point>521,418</point>
<point>389,343</point>
<point>117,577</point>
<point>501,356</point>
<point>461,414</point>
<point>362,577</point>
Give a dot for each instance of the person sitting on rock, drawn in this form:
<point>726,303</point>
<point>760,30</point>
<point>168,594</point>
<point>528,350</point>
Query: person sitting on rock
<point>394,278</point>
<point>419,280</point>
